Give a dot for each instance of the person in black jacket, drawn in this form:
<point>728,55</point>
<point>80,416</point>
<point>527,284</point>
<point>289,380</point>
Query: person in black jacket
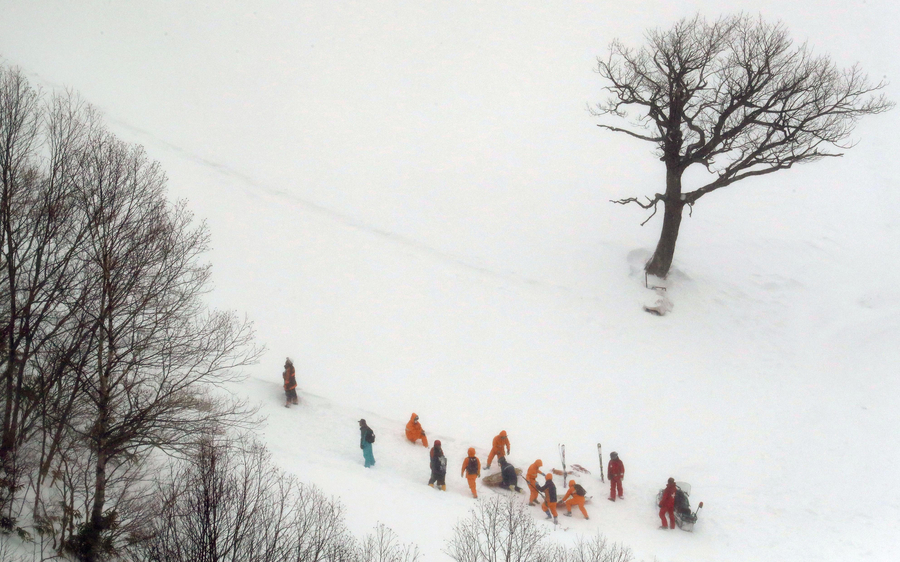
<point>438,466</point>
<point>510,478</point>
<point>549,490</point>
<point>366,438</point>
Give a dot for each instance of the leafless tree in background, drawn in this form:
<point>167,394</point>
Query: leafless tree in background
<point>229,503</point>
<point>158,351</point>
<point>504,530</point>
<point>383,546</point>
<point>40,290</point>
<point>498,530</point>
<point>107,350</point>
<point>735,96</point>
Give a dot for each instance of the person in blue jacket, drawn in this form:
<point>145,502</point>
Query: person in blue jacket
<point>366,438</point>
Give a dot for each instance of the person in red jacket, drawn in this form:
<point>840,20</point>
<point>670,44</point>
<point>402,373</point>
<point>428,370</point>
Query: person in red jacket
<point>290,383</point>
<point>414,431</point>
<point>471,469</point>
<point>500,443</point>
<point>667,505</point>
<point>616,472</point>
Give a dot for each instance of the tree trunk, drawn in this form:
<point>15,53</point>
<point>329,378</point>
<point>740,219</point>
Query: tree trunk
<point>661,261</point>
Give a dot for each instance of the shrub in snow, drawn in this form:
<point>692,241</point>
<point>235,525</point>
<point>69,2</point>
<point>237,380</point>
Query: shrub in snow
<point>230,503</point>
<point>505,530</point>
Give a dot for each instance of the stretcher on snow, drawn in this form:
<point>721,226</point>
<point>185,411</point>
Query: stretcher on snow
<point>684,517</point>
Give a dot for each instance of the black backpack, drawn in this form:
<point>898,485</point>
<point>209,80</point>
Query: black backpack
<point>370,436</point>
<point>579,491</point>
<point>473,466</point>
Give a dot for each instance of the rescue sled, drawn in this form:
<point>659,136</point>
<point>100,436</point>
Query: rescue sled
<point>684,517</point>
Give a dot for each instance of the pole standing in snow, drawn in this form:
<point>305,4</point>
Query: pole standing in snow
<point>616,473</point>
<point>366,438</point>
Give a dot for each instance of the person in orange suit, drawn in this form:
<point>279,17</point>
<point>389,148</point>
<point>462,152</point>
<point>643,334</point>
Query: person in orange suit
<point>500,444</point>
<point>531,478</point>
<point>414,430</point>
<point>667,504</point>
<point>471,469</point>
<point>576,493</point>
<point>549,505</point>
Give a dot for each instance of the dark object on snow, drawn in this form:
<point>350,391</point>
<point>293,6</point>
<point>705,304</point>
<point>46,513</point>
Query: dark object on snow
<point>684,517</point>
<point>510,475</point>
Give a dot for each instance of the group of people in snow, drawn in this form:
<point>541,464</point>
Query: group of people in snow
<point>500,447</point>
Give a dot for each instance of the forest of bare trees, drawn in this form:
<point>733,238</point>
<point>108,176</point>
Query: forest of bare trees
<point>120,439</point>
<point>109,359</point>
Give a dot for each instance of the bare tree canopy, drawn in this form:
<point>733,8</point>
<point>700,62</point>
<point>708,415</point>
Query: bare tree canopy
<point>736,96</point>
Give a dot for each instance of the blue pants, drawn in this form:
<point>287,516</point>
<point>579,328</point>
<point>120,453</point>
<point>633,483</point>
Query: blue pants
<point>367,454</point>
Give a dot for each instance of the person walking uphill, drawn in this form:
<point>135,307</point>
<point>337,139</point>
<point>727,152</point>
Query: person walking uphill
<point>414,430</point>
<point>366,438</point>
<point>531,478</point>
<point>290,383</point>
<point>667,504</point>
<point>500,443</point>
<point>438,466</point>
<point>577,493</point>
<point>616,472</point>
<point>549,505</point>
<point>471,469</point>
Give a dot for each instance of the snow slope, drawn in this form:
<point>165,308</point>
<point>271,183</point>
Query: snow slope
<point>412,202</point>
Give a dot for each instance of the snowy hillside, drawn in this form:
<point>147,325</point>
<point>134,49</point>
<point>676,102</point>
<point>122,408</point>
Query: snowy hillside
<point>411,202</point>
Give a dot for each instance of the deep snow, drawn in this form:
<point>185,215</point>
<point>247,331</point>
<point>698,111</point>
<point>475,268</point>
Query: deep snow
<point>411,201</point>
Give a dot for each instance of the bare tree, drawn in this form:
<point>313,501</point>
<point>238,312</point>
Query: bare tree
<point>735,96</point>
<point>497,530</point>
<point>384,546</point>
<point>158,352</point>
<point>41,232</point>
<point>230,503</point>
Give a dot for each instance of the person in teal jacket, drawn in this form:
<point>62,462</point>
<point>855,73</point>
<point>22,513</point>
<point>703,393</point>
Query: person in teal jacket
<point>366,438</point>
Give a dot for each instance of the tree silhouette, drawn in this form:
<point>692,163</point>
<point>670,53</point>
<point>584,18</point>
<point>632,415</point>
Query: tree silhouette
<point>735,96</point>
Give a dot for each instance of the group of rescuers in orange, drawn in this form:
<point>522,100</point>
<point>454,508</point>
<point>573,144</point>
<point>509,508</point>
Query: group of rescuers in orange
<point>471,470</point>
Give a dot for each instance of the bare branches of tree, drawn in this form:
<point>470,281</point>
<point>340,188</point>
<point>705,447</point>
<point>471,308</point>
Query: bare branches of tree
<point>497,530</point>
<point>735,96</point>
<point>107,350</point>
<point>230,503</point>
<point>503,530</point>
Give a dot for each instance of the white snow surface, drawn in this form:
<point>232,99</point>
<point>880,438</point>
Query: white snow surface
<point>411,201</point>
